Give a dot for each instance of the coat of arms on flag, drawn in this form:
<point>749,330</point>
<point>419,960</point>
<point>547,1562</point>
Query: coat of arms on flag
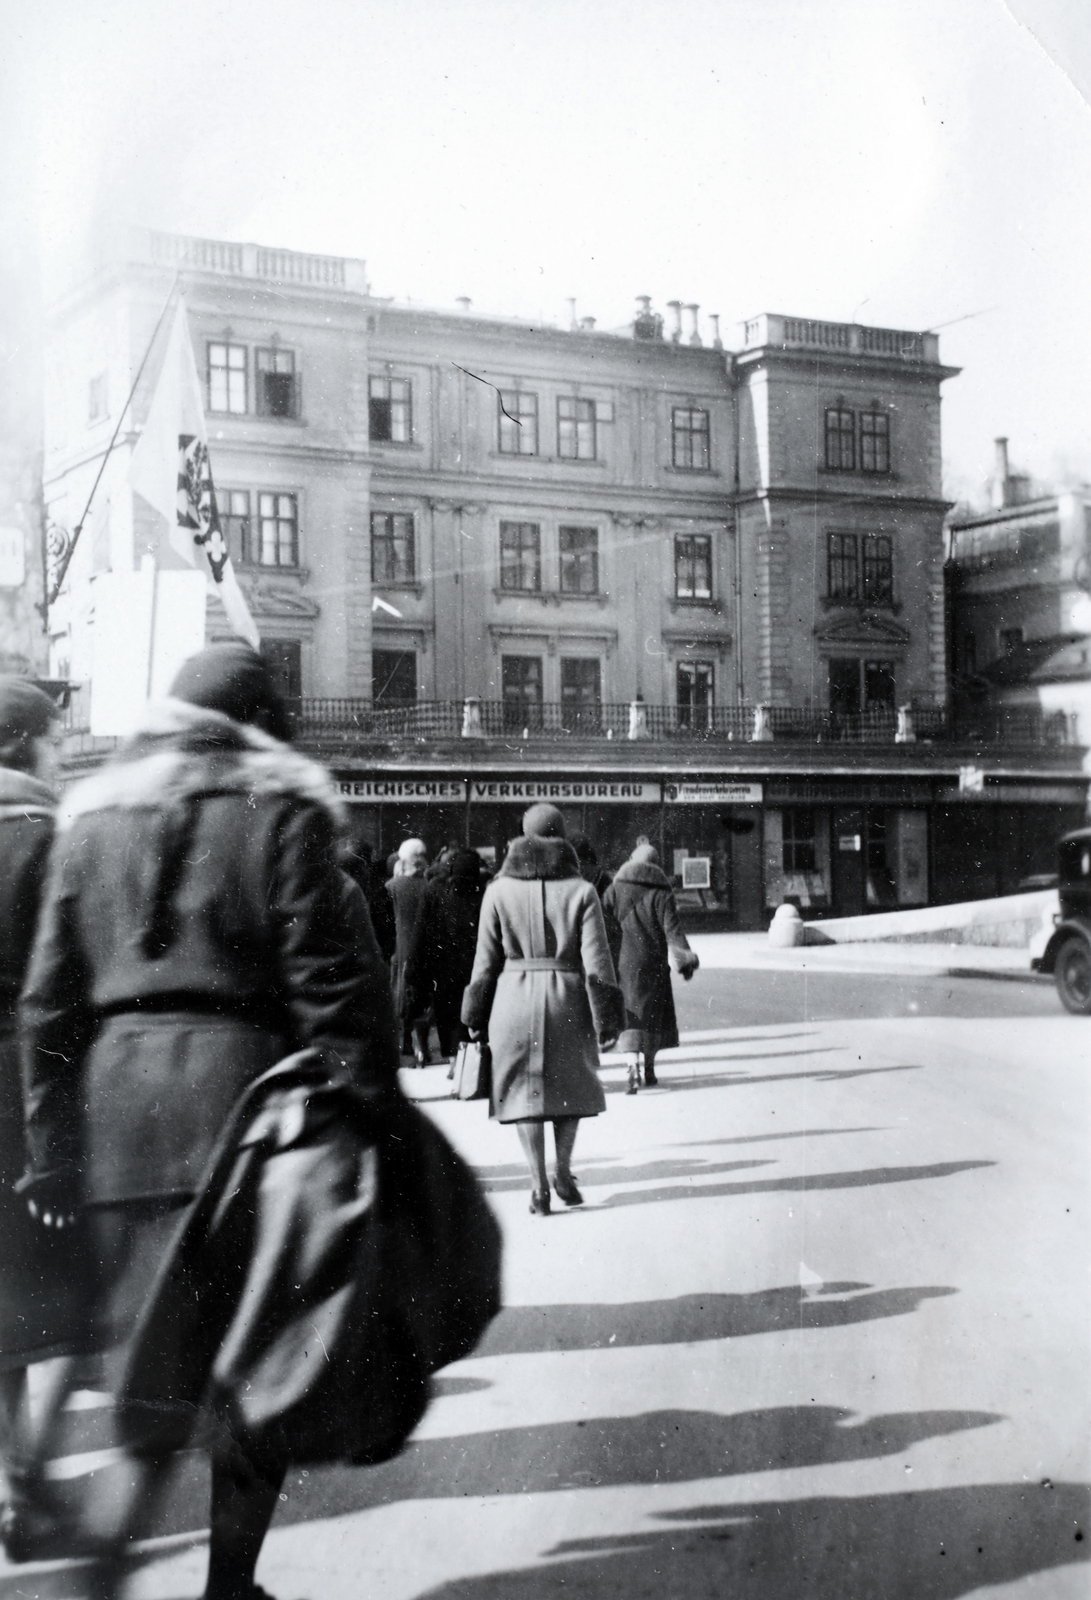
<point>197,502</point>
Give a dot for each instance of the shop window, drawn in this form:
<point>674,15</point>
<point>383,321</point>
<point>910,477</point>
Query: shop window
<point>579,560</point>
<point>874,441</point>
<point>689,438</point>
<point>233,509</point>
<point>581,693</point>
<point>693,566</point>
<point>283,657</point>
<point>393,676</point>
<point>521,557</point>
<point>840,440</point>
<point>393,554</point>
<point>227,378</point>
<point>278,530</point>
<point>390,410</point>
<point>695,685</point>
<point>882,893</point>
<point>576,429</point>
<point>798,840</point>
<point>521,687</point>
<point>518,419</point>
<point>276,383</point>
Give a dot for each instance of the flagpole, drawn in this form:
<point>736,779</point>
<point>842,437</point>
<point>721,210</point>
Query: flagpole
<point>62,571</point>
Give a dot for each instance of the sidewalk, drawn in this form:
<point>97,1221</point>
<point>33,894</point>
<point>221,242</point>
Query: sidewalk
<point>753,951</point>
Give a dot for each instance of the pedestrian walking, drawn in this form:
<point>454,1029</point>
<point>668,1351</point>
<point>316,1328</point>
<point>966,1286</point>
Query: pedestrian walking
<point>587,857</point>
<point>543,989</point>
<point>42,1303</point>
<point>645,937</point>
<point>362,868</point>
<point>196,928</point>
<point>414,905</point>
<point>451,943</point>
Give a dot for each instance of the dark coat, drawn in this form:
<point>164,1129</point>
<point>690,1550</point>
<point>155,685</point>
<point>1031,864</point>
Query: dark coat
<point>542,1020</point>
<point>451,941</point>
<point>415,908</point>
<point>642,921</point>
<point>196,927</point>
<point>39,1281</point>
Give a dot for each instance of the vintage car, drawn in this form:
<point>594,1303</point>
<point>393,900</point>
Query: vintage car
<point>1068,953</point>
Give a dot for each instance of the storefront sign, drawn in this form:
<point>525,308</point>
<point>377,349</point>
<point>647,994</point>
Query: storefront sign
<point>564,791</point>
<point>404,791</point>
<point>714,794</point>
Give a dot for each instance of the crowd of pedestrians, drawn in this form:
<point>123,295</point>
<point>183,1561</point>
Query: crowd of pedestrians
<point>198,914</point>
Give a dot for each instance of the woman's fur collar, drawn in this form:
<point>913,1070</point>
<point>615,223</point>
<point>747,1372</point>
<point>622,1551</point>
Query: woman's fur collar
<point>22,792</point>
<point>533,857</point>
<point>179,751</point>
<point>645,873</point>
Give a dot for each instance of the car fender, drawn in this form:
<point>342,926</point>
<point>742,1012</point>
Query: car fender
<point>1071,927</point>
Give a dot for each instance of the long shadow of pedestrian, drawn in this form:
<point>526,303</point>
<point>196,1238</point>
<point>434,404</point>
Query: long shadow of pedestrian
<point>525,1330</point>
<point>613,1167</point>
<point>682,1167</point>
<point>935,1545</point>
<point>799,1184</point>
<point>743,1080</point>
<point>655,1447</point>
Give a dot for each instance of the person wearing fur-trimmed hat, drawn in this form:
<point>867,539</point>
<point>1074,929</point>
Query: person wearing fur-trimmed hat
<point>197,928</point>
<point>544,990</point>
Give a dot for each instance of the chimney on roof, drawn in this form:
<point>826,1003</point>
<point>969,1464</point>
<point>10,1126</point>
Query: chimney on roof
<point>647,324</point>
<point>694,335</point>
<point>675,309</point>
<point>587,324</point>
<point>571,304</point>
<point>463,302</point>
<point>714,318</point>
<point>1009,488</point>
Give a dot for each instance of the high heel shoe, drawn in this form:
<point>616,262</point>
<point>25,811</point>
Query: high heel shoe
<point>567,1190</point>
<point>650,1079</point>
<point>539,1202</point>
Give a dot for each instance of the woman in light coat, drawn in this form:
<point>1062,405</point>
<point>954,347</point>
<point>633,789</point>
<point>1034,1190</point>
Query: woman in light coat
<point>543,988</point>
<point>645,937</point>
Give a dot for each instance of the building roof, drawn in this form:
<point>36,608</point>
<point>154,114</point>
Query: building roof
<point>1059,658</point>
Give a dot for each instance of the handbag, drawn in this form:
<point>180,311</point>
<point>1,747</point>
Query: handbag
<point>473,1071</point>
<point>340,1252</point>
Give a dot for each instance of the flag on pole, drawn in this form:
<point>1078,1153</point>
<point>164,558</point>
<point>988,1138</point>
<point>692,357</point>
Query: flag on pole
<point>172,471</point>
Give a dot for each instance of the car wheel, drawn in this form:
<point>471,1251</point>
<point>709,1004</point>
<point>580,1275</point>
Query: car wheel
<point>1073,972</point>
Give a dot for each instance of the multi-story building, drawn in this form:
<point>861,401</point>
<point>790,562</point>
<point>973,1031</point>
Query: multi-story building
<point>696,594</point>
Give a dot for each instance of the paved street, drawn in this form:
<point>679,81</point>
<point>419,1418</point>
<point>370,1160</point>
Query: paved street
<point>821,1330</point>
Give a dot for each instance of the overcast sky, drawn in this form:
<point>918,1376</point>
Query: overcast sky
<point>906,163</point>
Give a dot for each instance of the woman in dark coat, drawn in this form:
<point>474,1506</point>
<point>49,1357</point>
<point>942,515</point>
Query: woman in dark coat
<point>645,936</point>
<point>452,942</point>
<point>415,907</point>
<point>42,1308</point>
<point>196,928</point>
<point>543,987</point>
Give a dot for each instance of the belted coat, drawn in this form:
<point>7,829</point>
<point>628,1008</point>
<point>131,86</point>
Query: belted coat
<point>543,985</point>
<point>645,938</point>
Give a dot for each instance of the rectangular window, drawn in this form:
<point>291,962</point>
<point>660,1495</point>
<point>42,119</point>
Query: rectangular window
<point>845,686</point>
<point>96,398</point>
<point>393,554</point>
<point>227,378</point>
<point>798,840</point>
<point>575,429</point>
<point>840,440</point>
<point>277,383</point>
<point>689,438</point>
<point>695,681</point>
<point>393,676</point>
<point>879,686</point>
<point>390,410</point>
<point>1010,639</point>
<point>581,694</point>
<point>968,662</point>
<point>520,557</point>
<point>521,682</point>
<point>233,506</point>
<point>579,560</point>
<point>874,441</point>
<point>283,657</point>
<point>878,569</point>
<point>278,530</point>
<point>842,567</point>
<point>518,417</point>
<point>693,566</point>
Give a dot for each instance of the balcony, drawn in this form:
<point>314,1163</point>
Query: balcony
<point>226,258</point>
<point>844,338</point>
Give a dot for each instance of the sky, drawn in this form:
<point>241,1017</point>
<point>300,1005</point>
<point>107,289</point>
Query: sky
<point>909,163</point>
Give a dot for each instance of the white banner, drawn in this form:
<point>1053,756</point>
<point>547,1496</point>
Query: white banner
<point>404,791</point>
<point>713,794</point>
<point>565,791</point>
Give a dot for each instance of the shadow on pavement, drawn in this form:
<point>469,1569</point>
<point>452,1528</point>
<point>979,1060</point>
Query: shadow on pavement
<point>801,1184</point>
<point>656,1447</point>
<point>591,1176</point>
<point>935,1545</point>
<point>743,1080</point>
<point>772,1138</point>
<point>523,1330</point>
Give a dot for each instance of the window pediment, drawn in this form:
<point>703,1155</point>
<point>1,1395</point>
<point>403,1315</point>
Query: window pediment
<point>863,630</point>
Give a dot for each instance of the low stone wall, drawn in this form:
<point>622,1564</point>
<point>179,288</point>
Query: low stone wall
<point>1013,921</point>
